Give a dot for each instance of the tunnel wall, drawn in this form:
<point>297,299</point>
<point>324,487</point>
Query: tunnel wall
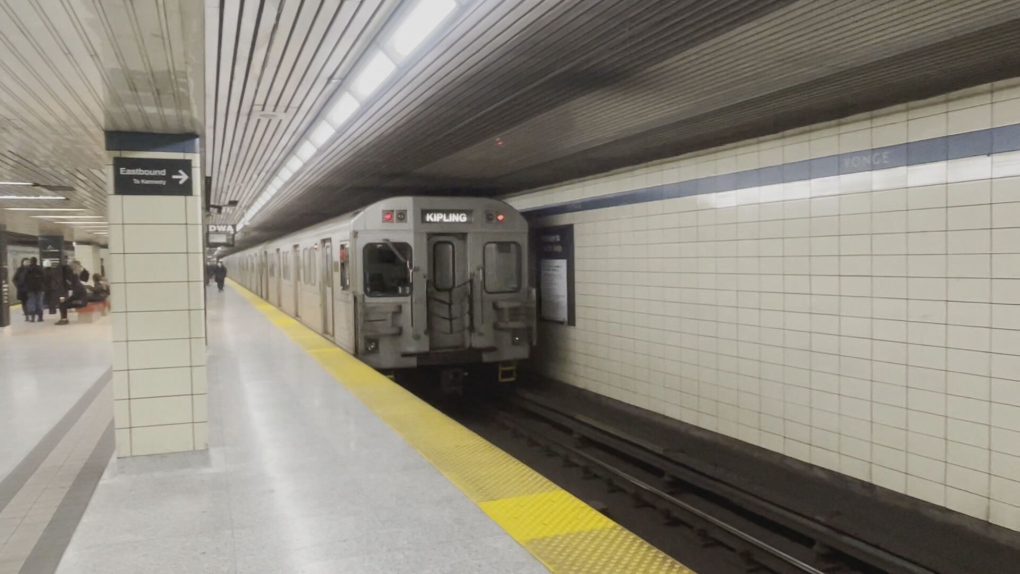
<point>847,295</point>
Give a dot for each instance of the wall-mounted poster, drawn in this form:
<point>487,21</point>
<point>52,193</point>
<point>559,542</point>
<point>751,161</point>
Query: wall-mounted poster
<point>555,254</point>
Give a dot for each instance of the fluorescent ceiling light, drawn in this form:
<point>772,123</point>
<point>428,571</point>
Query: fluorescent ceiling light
<point>68,216</point>
<point>278,182</point>
<point>295,163</point>
<point>31,197</point>
<point>342,110</point>
<point>89,223</point>
<point>305,152</point>
<point>321,133</point>
<point>16,183</point>
<point>43,209</point>
<point>285,173</point>
<point>373,75</point>
<point>420,22</point>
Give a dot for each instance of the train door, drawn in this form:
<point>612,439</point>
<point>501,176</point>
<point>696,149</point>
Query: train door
<point>327,286</point>
<point>449,293</point>
<point>296,283</point>
<point>279,279</point>
<point>265,275</point>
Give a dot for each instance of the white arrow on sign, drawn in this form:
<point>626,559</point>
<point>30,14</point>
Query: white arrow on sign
<point>183,177</point>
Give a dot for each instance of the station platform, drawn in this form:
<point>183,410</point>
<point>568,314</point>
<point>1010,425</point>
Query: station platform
<point>316,464</point>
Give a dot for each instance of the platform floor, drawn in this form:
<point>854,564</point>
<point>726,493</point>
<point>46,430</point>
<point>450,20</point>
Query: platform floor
<point>300,477</point>
<point>317,464</point>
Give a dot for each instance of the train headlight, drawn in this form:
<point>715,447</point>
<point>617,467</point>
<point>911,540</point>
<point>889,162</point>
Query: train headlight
<point>371,345</point>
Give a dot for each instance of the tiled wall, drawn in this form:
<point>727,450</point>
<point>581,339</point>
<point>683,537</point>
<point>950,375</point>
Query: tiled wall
<point>847,295</point>
<point>156,275</point>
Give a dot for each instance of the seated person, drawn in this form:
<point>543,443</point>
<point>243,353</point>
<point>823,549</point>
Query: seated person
<point>75,295</point>
<point>100,289</point>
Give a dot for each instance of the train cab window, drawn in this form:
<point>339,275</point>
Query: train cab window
<point>387,269</point>
<point>502,267</point>
<point>444,276</point>
<point>345,271</point>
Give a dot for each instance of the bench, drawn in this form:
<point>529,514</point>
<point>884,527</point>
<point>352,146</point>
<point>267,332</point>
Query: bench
<point>86,314</point>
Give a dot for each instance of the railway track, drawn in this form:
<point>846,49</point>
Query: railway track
<point>765,537</point>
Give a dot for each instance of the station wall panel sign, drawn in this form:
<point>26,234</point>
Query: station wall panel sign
<point>554,250</point>
<point>152,176</point>
<point>219,235</point>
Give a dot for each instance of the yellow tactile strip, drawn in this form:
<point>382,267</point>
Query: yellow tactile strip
<point>564,533</point>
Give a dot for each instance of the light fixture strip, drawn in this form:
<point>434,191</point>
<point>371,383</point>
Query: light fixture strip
<point>418,24</point>
<point>64,209</point>
<point>32,197</point>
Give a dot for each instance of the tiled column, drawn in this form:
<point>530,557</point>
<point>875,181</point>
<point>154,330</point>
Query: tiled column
<point>155,270</point>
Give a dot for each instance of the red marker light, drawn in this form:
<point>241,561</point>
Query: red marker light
<point>500,217</point>
<point>387,216</point>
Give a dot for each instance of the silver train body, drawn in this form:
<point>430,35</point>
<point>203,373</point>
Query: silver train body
<point>406,282</point>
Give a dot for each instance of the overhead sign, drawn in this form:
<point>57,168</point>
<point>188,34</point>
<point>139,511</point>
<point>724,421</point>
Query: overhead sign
<point>219,235</point>
<point>446,216</point>
<point>152,176</point>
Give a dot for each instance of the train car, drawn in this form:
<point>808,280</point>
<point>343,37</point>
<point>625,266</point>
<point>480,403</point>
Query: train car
<point>408,283</point>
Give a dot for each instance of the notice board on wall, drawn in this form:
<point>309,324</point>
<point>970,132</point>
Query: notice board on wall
<point>555,257</point>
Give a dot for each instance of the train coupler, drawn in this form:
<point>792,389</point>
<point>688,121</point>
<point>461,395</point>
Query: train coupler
<point>507,372</point>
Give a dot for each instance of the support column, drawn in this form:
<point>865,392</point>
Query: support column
<point>155,270</point>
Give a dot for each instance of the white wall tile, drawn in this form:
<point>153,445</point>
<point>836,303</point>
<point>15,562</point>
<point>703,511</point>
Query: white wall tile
<point>159,354</point>
<point>158,325</point>
<point>156,296</point>
<point>162,439</point>
<point>161,411</point>
<point>147,383</point>
<point>151,209</point>
<point>147,238</point>
<point>904,279</point>
<point>156,268</point>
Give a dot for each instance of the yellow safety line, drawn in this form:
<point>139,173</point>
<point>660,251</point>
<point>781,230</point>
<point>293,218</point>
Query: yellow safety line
<point>564,533</point>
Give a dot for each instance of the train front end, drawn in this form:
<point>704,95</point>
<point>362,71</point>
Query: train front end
<point>445,286</point>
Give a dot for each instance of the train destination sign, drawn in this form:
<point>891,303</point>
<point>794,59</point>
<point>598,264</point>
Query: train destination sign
<point>446,216</point>
<point>152,176</point>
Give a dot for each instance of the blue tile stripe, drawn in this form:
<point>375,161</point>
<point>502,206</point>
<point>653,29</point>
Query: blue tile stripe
<point>970,144</point>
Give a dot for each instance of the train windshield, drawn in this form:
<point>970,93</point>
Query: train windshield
<point>387,268</point>
<point>502,267</point>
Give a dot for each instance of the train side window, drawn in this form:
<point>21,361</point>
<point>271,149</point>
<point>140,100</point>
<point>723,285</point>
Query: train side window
<point>385,274</point>
<point>345,271</point>
<point>444,276</point>
<point>502,267</point>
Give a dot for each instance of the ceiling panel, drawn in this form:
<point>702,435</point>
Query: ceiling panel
<point>72,69</point>
<point>521,93</point>
<point>278,64</point>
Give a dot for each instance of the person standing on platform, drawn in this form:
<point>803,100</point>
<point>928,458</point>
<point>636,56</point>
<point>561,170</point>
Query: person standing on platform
<point>19,286</point>
<point>54,286</point>
<point>35,288</point>
<point>221,274</point>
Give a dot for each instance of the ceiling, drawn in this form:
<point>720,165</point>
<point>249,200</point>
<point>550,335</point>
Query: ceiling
<point>69,70</point>
<point>516,94</point>
<point>505,95</point>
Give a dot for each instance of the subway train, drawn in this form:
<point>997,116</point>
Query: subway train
<point>408,283</point>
